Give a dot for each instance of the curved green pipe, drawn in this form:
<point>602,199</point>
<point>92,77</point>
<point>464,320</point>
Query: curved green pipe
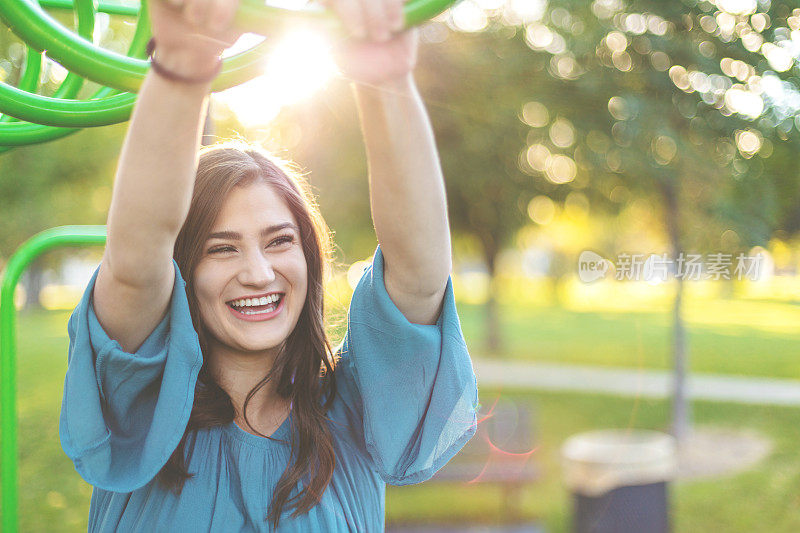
<point>24,133</point>
<point>38,29</point>
<point>125,72</point>
<point>17,263</point>
<point>70,87</point>
<point>110,8</point>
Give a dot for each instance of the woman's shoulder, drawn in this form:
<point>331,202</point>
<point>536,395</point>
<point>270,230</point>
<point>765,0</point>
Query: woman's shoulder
<point>123,413</point>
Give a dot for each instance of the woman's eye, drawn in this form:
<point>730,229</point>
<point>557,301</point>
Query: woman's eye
<point>221,249</point>
<point>285,238</point>
<point>279,240</point>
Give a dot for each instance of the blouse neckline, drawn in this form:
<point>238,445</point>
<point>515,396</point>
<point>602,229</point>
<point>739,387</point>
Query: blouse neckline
<point>282,433</point>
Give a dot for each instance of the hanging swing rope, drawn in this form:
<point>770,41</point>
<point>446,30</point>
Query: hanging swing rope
<point>30,118</point>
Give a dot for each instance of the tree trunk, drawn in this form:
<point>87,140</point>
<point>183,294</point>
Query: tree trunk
<point>494,343</point>
<point>681,407</point>
<point>34,280</point>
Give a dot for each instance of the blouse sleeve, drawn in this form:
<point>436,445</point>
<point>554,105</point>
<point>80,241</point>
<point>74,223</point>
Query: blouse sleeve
<point>411,387</point>
<point>123,414</point>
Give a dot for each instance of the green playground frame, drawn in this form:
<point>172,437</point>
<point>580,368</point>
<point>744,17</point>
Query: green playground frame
<point>121,74</point>
<point>58,237</point>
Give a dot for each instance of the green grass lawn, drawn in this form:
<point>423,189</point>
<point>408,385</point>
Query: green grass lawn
<point>737,336</point>
<point>746,337</point>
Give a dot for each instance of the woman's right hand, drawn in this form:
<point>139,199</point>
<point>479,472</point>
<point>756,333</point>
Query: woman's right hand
<point>190,35</point>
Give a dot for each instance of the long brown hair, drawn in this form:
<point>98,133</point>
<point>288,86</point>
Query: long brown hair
<point>303,370</point>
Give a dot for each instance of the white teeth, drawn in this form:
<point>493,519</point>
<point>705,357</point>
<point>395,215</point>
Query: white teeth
<point>269,309</point>
<point>246,312</point>
<point>249,302</point>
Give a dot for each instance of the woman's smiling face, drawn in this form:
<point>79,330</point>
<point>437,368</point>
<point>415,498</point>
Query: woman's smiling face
<point>254,249</point>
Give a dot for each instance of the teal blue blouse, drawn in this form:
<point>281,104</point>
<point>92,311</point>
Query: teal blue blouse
<point>406,403</point>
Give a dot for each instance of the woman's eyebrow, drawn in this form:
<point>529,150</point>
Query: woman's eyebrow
<point>235,236</point>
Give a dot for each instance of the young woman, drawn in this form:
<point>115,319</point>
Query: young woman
<point>202,393</point>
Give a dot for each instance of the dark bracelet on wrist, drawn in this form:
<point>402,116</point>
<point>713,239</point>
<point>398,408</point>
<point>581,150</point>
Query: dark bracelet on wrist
<point>172,76</point>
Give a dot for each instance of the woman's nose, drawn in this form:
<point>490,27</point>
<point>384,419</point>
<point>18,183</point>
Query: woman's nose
<point>257,270</point>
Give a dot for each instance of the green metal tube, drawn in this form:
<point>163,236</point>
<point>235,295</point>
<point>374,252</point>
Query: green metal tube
<point>30,75</point>
<point>39,30</point>
<point>80,56</point>
<point>32,248</point>
<point>70,113</point>
<point>21,134</point>
<point>27,82</point>
<point>117,108</point>
<point>70,87</point>
<point>110,8</point>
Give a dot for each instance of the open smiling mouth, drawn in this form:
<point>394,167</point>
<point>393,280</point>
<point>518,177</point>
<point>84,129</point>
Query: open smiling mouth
<point>257,312</point>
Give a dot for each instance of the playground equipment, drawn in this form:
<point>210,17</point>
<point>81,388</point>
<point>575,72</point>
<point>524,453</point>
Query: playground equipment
<point>34,247</point>
<point>30,118</point>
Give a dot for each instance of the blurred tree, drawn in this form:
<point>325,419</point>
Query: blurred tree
<point>654,101</point>
<point>474,95</point>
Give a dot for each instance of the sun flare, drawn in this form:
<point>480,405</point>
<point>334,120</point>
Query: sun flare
<point>298,66</point>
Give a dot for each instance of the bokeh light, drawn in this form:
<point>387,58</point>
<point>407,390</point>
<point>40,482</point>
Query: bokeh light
<point>748,142</point>
<point>618,108</point>
<point>562,133</point>
<point>538,156</point>
<point>737,7</point>
<point>561,169</point>
<point>739,100</point>
<point>469,16</point>
<point>779,57</point>
<point>524,11</point>
<point>598,141</point>
<point>664,149</point>
<point>604,9</point>
<point>538,36</point>
<point>355,272</point>
<point>679,77</point>
<point>542,210</point>
<point>616,41</point>
<point>576,204</point>
<point>535,114</point>
<point>622,61</point>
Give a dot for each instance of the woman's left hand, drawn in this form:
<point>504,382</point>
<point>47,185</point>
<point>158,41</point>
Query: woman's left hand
<point>377,51</point>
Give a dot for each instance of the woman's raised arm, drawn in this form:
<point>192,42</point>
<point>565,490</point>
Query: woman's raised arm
<point>156,170</point>
<point>407,193</point>
<point>407,197</point>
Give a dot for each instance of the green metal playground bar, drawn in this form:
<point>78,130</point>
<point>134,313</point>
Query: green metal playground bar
<point>40,243</point>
